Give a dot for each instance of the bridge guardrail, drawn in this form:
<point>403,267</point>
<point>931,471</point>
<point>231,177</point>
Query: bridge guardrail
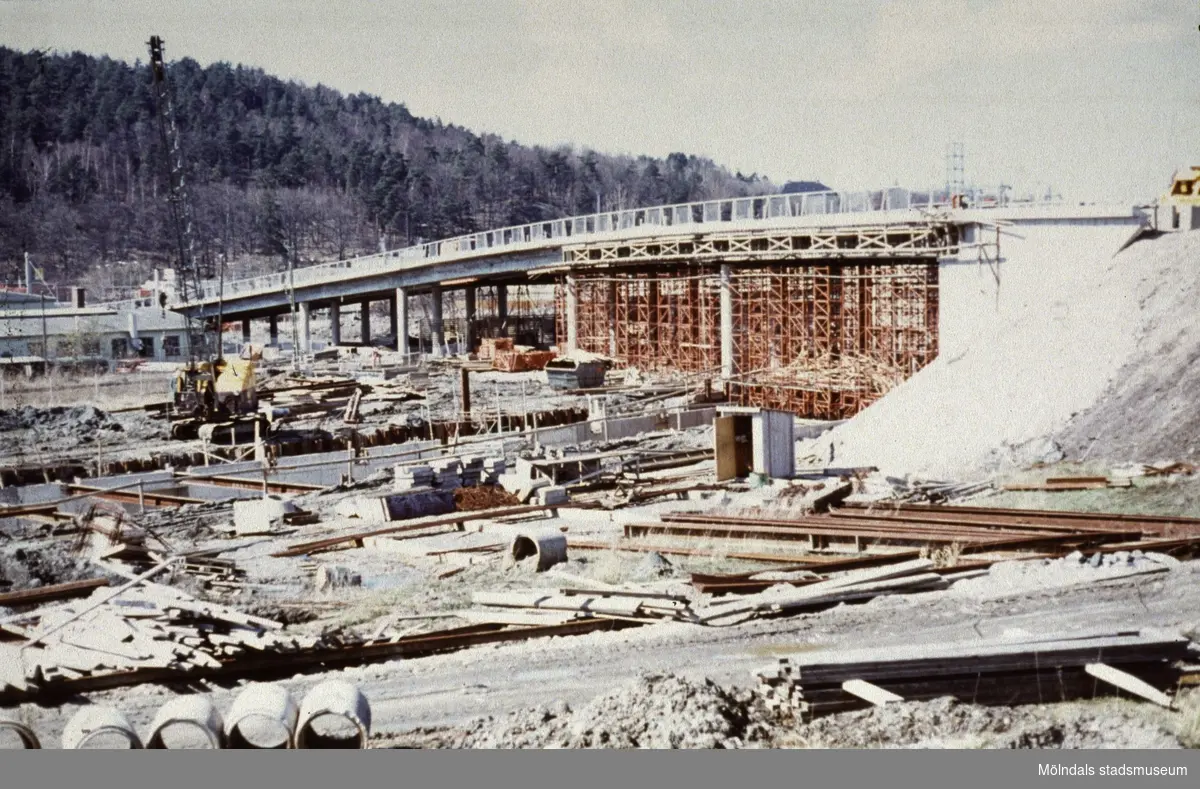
<point>532,235</point>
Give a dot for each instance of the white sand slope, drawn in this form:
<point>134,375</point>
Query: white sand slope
<point>1068,317</point>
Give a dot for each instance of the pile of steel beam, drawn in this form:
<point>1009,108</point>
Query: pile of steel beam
<point>1143,665</point>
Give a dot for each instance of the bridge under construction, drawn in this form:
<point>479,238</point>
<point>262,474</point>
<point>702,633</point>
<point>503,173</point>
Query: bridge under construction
<point>816,304</point>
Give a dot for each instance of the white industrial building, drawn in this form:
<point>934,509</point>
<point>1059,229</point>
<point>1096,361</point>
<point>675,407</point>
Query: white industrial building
<point>37,331</point>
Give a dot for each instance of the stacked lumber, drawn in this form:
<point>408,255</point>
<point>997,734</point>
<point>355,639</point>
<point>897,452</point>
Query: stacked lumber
<point>858,529</point>
<point>854,586</point>
<point>144,626</point>
<point>545,606</point>
<point>1142,664</point>
<point>205,567</point>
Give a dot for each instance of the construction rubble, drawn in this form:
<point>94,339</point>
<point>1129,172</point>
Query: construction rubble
<point>618,548</point>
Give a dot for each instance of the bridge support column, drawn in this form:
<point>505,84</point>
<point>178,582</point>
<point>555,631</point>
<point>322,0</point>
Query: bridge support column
<point>245,331</point>
<point>437,334</point>
<point>469,293</point>
<point>400,319</point>
<point>572,313</point>
<point>335,322</point>
<point>273,324</point>
<point>366,323</point>
<point>502,304</point>
<point>305,328</point>
<point>726,321</point>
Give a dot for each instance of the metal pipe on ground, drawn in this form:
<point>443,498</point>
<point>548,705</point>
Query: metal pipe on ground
<point>550,548</point>
<point>263,716</point>
<point>100,728</point>
<point>187,723</point>
<point>334,714</point>
<point>15,735</point>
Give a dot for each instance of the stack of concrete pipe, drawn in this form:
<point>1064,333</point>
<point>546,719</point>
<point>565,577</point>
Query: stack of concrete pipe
<point>334,714</point>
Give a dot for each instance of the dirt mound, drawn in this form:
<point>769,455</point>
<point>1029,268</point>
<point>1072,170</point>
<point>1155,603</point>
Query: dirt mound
<point>650,712</point>
<point>1085,331</point>
<point>32,565</point>
<point>946,723</point>
<point>76,420</point>
<point>1149,412</point>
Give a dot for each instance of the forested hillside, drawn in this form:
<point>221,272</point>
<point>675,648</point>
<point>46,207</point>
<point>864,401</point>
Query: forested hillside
<point>277,169</point>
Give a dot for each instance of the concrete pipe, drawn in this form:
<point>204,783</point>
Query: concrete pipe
<point>263,716</point>
<point>187,723</point>
<point>100,728</point>
<point>550,548</point>
<point>334,714</point>
<point>13,732</point>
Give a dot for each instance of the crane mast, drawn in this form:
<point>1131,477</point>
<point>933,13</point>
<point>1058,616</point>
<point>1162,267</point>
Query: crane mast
<point>190,277</point>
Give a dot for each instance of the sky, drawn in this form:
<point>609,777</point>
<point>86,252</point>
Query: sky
<point>1097,99</point>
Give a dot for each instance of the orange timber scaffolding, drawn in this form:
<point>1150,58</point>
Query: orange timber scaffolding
<point>821,340</point>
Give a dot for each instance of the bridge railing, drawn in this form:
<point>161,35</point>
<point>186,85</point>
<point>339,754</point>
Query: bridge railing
<point>738,210</point>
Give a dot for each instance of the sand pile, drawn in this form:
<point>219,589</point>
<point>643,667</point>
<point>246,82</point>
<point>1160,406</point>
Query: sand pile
<point>1088,330</point>
<point>1149,411</point>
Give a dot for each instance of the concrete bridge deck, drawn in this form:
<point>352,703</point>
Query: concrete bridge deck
<point>777,282</point>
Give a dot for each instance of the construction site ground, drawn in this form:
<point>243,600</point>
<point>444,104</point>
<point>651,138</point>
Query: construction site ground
<point>562,691</point>
<point>688,588</point>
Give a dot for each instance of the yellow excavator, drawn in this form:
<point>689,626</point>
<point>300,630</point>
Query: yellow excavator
<point>219,392</point>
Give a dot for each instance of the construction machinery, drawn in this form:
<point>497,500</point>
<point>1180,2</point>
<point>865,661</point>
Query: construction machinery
<point>219,392</point>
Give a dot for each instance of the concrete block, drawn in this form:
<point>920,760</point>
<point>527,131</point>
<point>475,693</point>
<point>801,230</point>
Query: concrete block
<point>524,469</point>
<point>406,477</point>
<point>330,576</point>
<point>253,516</point>
<point>511,481</point>
<point>529,487</point>
<point>551,495</point>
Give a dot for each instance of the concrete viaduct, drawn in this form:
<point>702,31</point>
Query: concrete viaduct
<point>727,281</point>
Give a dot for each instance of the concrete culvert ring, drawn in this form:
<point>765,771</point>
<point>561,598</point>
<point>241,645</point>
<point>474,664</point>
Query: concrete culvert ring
<point>187,723</point>
<point>100,728</point>
<point>330,730</point>
<point>523,547</point>
<point>263,716</point>
<point>16,736</point>
<point>334,714</point>
<point>550,548</point>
